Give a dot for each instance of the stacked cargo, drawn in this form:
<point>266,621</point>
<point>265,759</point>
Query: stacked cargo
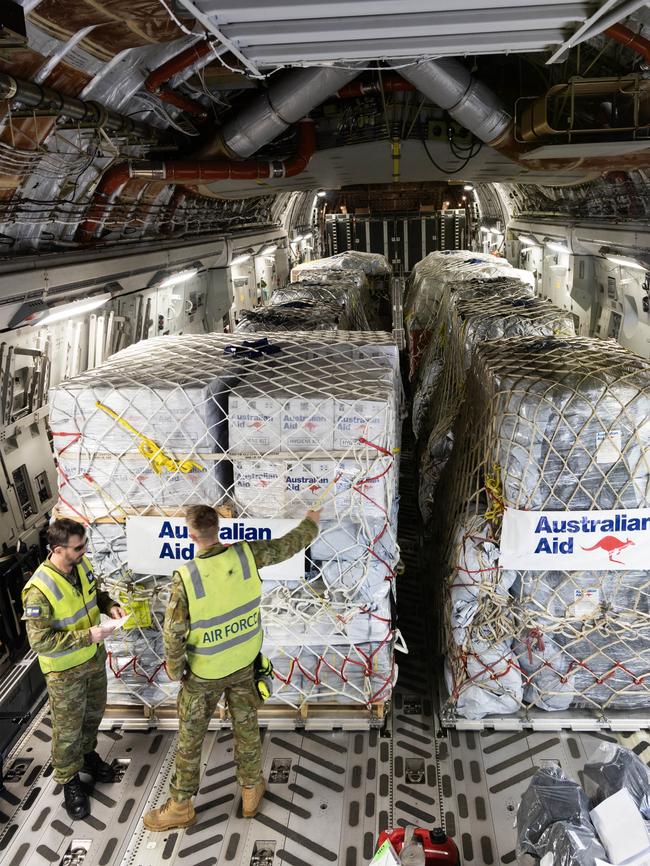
<point>367,274</point>
<point>469,314</point>
<point>262,430</point>
<point>294,315</point>
<point>427,286</point>
<point>548,425</point>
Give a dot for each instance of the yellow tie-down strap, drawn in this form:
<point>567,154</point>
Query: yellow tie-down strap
<point>150,450</point>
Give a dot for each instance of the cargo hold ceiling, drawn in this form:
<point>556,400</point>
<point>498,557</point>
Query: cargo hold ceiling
<point>124,119</point>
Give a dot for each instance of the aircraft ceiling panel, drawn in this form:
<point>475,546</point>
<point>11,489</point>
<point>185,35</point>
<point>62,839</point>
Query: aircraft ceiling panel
<point>371,163</point>
<point>297,32</point>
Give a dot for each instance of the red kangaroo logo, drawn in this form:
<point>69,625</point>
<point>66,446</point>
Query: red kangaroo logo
<point>612,545</point>
<point>314,487</point>
<point>311,426</point>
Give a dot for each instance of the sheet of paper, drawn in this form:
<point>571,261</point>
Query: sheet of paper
<point>621,827</point>
<point>118,623</point>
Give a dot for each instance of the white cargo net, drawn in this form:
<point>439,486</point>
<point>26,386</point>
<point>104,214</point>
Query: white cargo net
<point>527,438</point>
<point>426,289</point>
<point>268,430</point>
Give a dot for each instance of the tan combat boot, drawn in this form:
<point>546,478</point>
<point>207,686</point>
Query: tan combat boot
<point>170,815</point>
<point>250,799</point>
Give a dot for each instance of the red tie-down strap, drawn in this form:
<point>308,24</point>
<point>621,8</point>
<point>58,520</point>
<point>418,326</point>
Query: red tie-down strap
<point>74,437</point>
<point>133,663</point>
<point>365,662</point>
<point>461,680</point>
<point>475,541</point>
<point>460,683</point>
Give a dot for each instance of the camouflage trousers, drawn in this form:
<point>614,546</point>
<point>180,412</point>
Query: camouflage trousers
<point>77,704</point>
<point>197,701</point>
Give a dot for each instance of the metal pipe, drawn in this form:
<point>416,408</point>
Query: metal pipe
<point>630,39</point>
<point>285,102</point>
<point>86,112</point>
<point>470,102</point>
<point>597,24</point>
<point>194,171</point>
<point>391,82</point>
<point>157,78</point>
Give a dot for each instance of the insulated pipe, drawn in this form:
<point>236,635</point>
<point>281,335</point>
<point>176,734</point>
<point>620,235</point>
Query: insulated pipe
<point>285,102</point>
<point>390,83</point>
<point>630,39</point>
<point>469,101</point>
<point>158,77</point>
<point>86,112</point>
<point>193,171</point>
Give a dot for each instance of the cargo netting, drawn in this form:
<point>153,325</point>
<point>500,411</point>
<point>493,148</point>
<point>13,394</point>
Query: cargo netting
<point>348,292</point>
<point>530,436</point>
<point>426,289</point>
<point>262,428</point>
<point>370,272</point>
<point>469,314</point>
<point>371,264</point>
<point>296,315</point>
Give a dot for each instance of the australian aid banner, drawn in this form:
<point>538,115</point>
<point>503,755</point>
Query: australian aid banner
<point>576,540</point>
<point>159,545</point>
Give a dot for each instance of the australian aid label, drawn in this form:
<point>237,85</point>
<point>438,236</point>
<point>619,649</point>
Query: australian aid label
<point>576,540</point>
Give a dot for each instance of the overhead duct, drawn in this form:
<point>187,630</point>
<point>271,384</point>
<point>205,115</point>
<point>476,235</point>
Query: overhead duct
<point>193,171</point>
<point>470,102</point>
<point>287,100</point>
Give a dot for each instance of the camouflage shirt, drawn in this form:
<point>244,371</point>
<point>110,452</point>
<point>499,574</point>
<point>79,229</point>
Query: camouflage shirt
<point>45,639</point>
<point>177,616</point>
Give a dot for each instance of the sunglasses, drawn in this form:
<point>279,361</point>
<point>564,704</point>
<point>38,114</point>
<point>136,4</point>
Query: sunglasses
<point>77,547</point>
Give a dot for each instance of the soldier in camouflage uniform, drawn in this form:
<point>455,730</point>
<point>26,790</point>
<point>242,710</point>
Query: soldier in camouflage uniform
<point>199,695</point>
<point>61,611</point>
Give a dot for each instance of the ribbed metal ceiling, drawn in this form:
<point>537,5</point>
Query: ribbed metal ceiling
<point>310,31</point>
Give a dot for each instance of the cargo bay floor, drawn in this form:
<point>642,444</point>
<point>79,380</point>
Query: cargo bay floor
<point>330,791</point>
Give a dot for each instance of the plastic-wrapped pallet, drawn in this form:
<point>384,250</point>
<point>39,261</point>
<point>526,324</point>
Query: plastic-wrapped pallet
<point>372,264</point>
<point>376,290</point>
<point>427,287</point>
<point>466,319</point>
<point>261,429</point>
<point>320,288</point>
<point>533,422</point>
<point>293,316</point>
<point>432,360</point>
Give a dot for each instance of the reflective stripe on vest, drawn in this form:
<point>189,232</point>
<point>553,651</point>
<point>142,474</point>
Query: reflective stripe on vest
<point>72,610</point>
<point>224,594</point>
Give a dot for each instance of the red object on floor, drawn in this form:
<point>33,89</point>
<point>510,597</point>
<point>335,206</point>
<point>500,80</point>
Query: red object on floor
<point>438,848</point>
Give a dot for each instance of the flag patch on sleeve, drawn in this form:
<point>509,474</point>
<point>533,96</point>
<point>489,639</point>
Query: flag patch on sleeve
<point>33,610</point>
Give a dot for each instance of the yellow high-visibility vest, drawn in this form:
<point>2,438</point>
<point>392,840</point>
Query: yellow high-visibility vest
<point>72,610</point>
<point>224,593</point>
